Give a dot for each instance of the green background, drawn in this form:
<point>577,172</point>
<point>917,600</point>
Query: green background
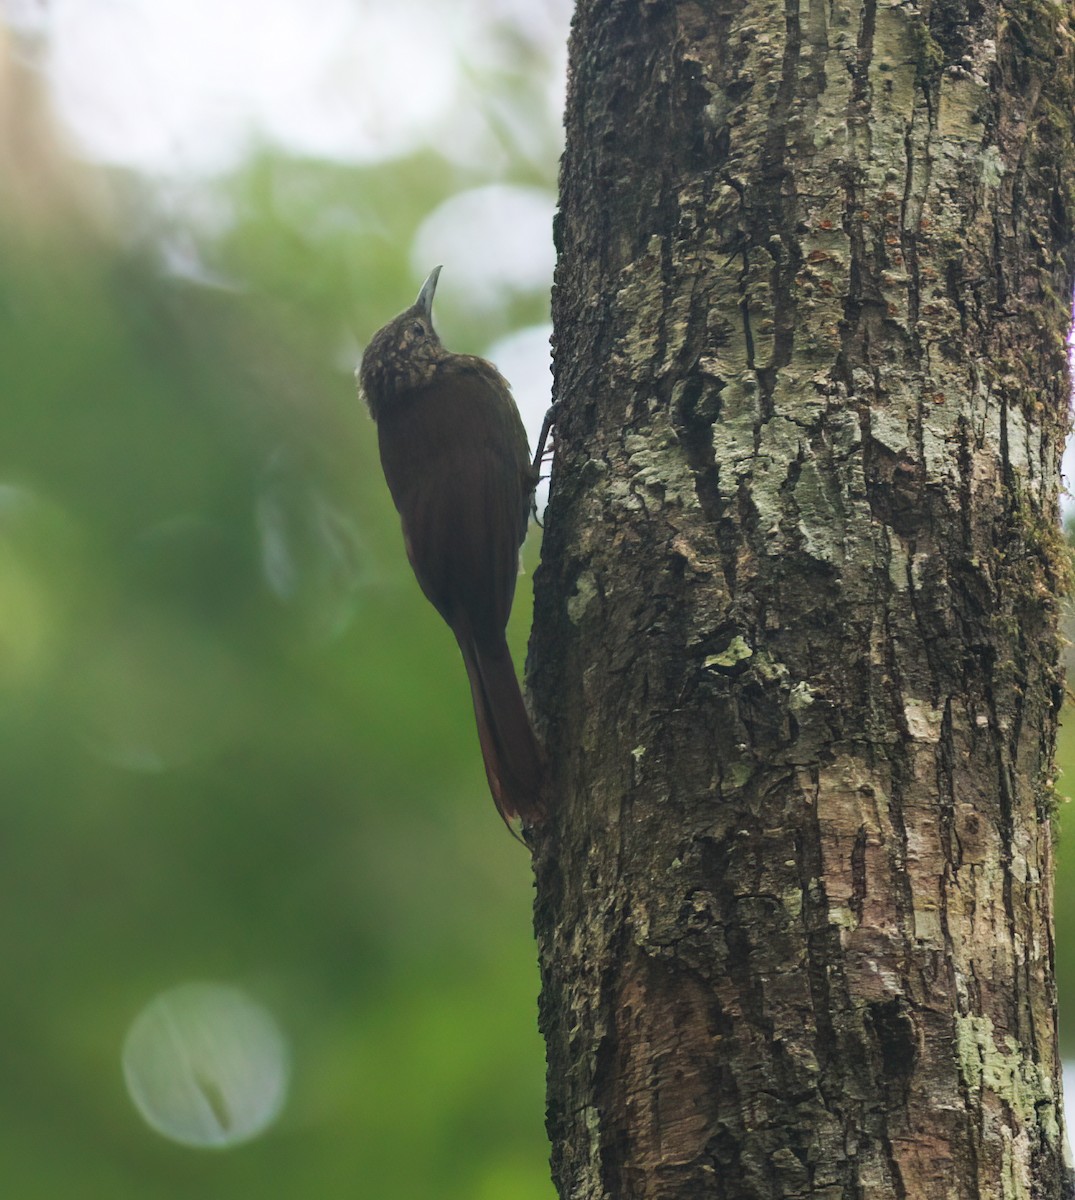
<point>236,743</point>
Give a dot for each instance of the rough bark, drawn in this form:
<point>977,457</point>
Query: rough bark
<point>795,645</point>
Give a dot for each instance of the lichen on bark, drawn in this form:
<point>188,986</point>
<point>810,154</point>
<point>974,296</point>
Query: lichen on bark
<point>795,642</point>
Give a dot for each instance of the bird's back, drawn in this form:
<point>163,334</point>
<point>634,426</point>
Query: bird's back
<point>456,460</point>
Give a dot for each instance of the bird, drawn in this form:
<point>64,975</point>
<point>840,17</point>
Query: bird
<point>457,463</point>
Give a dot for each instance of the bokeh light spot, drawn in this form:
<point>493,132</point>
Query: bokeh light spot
<point>489,239</point>
<point>525,360</point>
<point>206,1065</point>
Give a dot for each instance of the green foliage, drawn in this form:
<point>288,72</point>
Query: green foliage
<point>235,742</point>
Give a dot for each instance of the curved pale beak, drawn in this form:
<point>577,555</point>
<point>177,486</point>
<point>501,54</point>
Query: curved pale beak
<point>425,296</point>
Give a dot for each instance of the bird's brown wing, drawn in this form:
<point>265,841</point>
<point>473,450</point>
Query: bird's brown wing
<point>456,460</point>
<point>458,467</point>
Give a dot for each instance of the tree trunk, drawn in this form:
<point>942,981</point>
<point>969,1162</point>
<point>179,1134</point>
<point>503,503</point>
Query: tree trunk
<point>795,648</point>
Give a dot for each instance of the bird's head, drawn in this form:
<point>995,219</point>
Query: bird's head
<point>404,354</point>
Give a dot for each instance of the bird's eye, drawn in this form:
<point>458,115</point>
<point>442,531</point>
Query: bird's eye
<point>418,327</point>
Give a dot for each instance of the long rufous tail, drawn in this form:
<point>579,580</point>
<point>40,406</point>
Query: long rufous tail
<point>514,759</point>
